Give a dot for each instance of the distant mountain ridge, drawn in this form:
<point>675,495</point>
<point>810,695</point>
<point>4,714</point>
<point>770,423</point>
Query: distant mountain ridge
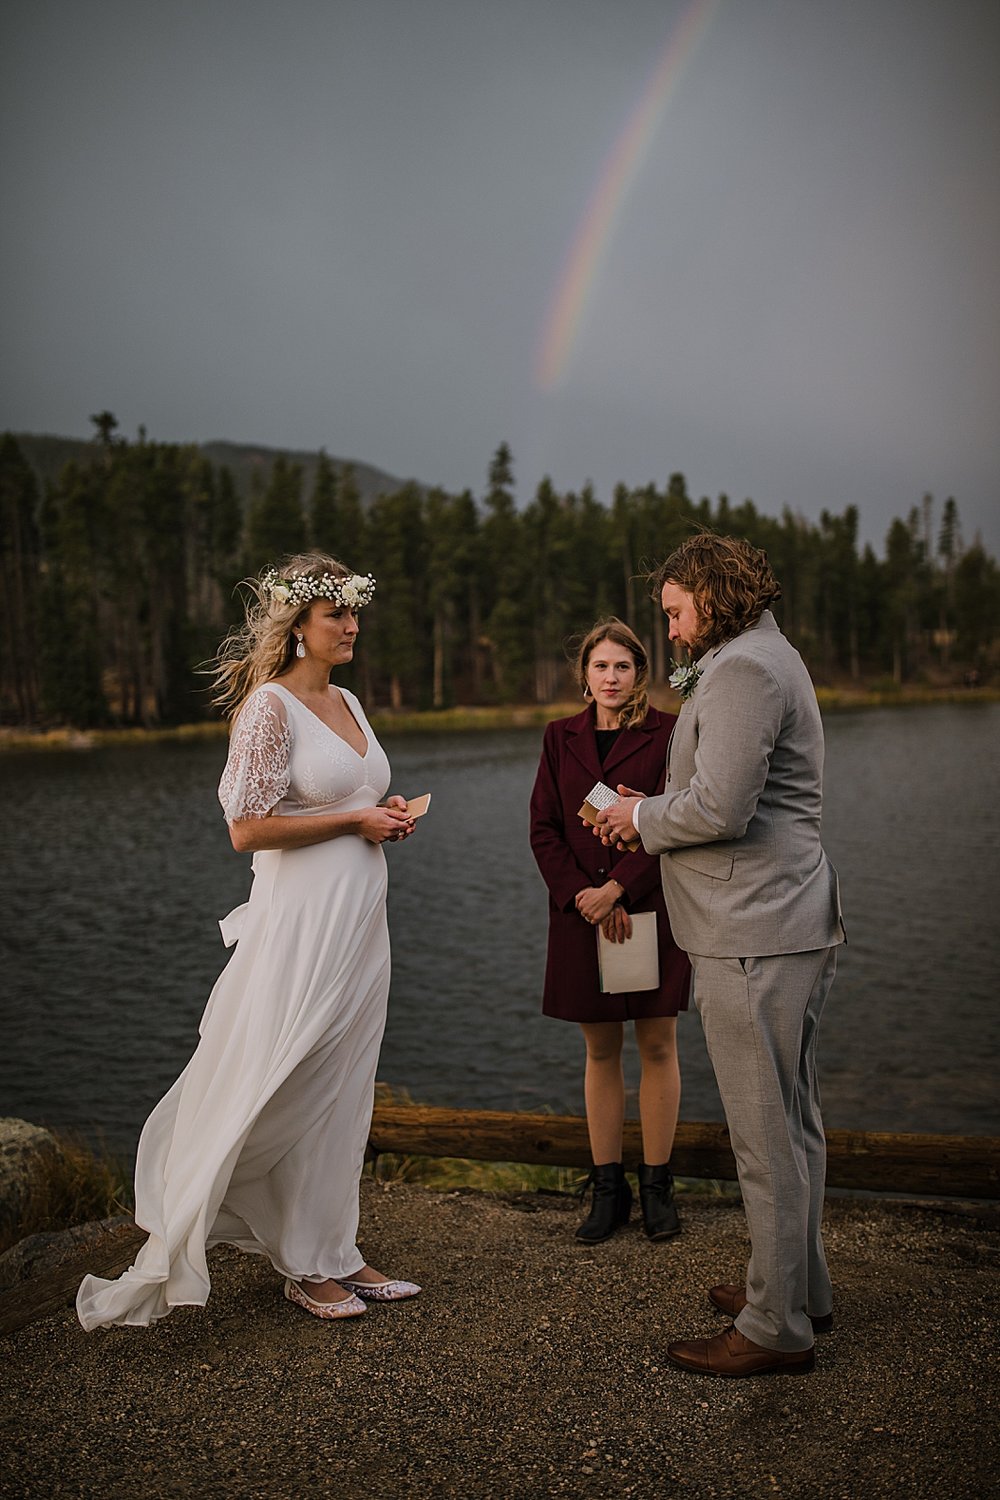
<point>47,455</point>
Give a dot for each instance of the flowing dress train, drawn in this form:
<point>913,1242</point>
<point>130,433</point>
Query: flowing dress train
<point>261,1140</point>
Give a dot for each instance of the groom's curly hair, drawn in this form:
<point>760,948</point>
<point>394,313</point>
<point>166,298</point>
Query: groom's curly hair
<point>732,583</point>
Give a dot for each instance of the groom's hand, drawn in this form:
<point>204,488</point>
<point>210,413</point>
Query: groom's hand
<point>614,825</point>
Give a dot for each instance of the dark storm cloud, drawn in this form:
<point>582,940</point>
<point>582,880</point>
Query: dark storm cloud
<point>342,224</point>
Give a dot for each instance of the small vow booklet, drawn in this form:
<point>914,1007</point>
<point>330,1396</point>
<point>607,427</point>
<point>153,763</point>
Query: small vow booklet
<point>597,800</point>
<point>634,964</point>
<point>417,806</point>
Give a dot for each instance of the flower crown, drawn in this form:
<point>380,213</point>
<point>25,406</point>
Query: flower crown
<point>353,592</point>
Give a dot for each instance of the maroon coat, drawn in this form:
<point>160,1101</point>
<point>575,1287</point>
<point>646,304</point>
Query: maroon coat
<point>571,858</point>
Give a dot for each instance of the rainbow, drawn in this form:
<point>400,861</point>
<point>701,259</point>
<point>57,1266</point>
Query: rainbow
<point>582,264</point>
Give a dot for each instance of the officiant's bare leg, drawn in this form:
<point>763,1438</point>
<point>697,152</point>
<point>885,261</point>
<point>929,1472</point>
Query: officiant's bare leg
<point>659,1086</point>
<point>604,1089</point>
<point>659,1102</point>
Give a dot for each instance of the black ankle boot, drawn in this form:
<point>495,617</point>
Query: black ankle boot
<point>610,1204</point>
<point>656,1197</point>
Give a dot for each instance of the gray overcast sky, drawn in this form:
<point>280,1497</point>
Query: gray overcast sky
<point>343,223</point>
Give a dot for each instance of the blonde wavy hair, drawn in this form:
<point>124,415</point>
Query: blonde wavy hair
<point>731,581</point>
<point>636,706</point>
<point>263,646</point>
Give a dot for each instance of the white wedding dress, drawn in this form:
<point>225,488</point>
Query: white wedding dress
<point>261,1140</point>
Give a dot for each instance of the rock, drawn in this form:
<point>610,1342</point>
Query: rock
<point>24,1151</point>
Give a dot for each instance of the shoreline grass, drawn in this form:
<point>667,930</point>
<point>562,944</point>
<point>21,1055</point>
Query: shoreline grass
<point>80,1183</point>
<point>75,1184</point>
<point>454,1173</point>
<point>473,718</point>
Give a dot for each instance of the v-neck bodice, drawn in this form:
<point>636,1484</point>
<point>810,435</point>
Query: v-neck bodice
<point>284,757</point>
<point>362,755</point>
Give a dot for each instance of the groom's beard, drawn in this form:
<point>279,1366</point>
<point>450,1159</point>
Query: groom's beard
<point>703,640</point>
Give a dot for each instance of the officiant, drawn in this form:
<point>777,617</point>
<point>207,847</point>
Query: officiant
<point>594,893</point>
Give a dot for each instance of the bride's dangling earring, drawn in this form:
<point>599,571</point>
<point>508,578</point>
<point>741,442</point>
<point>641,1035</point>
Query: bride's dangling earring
<point>300,649</point>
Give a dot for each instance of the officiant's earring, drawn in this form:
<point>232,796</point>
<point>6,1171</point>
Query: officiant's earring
<point>300,649</point>
<point>587,694</point>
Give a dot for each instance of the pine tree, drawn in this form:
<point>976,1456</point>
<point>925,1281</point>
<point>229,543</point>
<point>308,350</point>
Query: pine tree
<point>546,544</point>
<point>276,524</point>
<point>901,561</point>
<point>323,510</point>
<point>507,583</point>
<point>625,546</point>
<point>105,423</point>
<point>74,531</point>
<point>353,533</point>
<point>949,549</point>
<point>165,533</point>
<point>226,536</point>
<point>396,620</point>
<point>19,562</point>
<point>451,528</point>
<point>837,596</point>
<point>977,605</point>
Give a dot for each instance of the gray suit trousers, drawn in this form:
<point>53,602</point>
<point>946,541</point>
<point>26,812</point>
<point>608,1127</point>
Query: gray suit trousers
<point>761,1019</point>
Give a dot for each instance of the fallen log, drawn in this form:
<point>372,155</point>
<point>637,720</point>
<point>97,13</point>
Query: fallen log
<point>957,1166</point>
<point>56,1290</point>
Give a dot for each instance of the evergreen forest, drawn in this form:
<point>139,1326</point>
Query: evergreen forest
<point>121,575</point>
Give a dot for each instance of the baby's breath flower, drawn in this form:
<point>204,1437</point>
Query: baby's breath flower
<point>353,592</point>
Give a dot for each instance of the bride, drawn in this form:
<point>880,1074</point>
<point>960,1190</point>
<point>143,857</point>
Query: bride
<point>260,1142</point>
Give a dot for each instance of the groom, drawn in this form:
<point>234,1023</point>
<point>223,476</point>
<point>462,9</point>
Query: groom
<point>754,900</point>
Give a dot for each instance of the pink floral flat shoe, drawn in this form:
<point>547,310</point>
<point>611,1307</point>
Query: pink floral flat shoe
<point>348,1307</point>
<point>381,1291</point>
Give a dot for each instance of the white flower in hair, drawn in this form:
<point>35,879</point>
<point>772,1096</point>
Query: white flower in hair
<point>352,593</point>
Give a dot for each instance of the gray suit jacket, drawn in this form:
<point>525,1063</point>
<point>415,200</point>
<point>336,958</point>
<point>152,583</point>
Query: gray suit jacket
<point>738,825</point>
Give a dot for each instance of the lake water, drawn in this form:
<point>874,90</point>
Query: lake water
<point>118,866</point>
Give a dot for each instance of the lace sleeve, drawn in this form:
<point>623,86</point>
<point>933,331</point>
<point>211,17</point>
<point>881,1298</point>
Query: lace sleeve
<point>256,775</point>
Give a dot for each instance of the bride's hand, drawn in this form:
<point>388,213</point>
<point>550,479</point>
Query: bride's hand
<point>377,824</point>
<point>400,802</point>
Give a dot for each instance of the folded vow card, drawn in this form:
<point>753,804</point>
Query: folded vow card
<point>634,964</point>
<point>597,799</point>
<point>417,806</point>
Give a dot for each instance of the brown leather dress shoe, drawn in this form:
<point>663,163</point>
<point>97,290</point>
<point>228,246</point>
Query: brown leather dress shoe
<point>732,1353</point>
<point>731,1300</point>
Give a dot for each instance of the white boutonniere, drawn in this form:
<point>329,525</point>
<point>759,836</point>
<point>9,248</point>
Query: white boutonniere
<point>684,680</point>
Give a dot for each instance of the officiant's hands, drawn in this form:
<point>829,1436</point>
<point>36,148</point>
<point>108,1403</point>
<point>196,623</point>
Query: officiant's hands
<point>595,903</point>
<point>617,926</point>
<point>614,825</point>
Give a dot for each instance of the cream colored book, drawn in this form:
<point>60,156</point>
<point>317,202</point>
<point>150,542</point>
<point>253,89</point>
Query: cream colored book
<point>634,964</point>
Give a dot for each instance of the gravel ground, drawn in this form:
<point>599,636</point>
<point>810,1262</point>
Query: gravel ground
<point>531,1366</point>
